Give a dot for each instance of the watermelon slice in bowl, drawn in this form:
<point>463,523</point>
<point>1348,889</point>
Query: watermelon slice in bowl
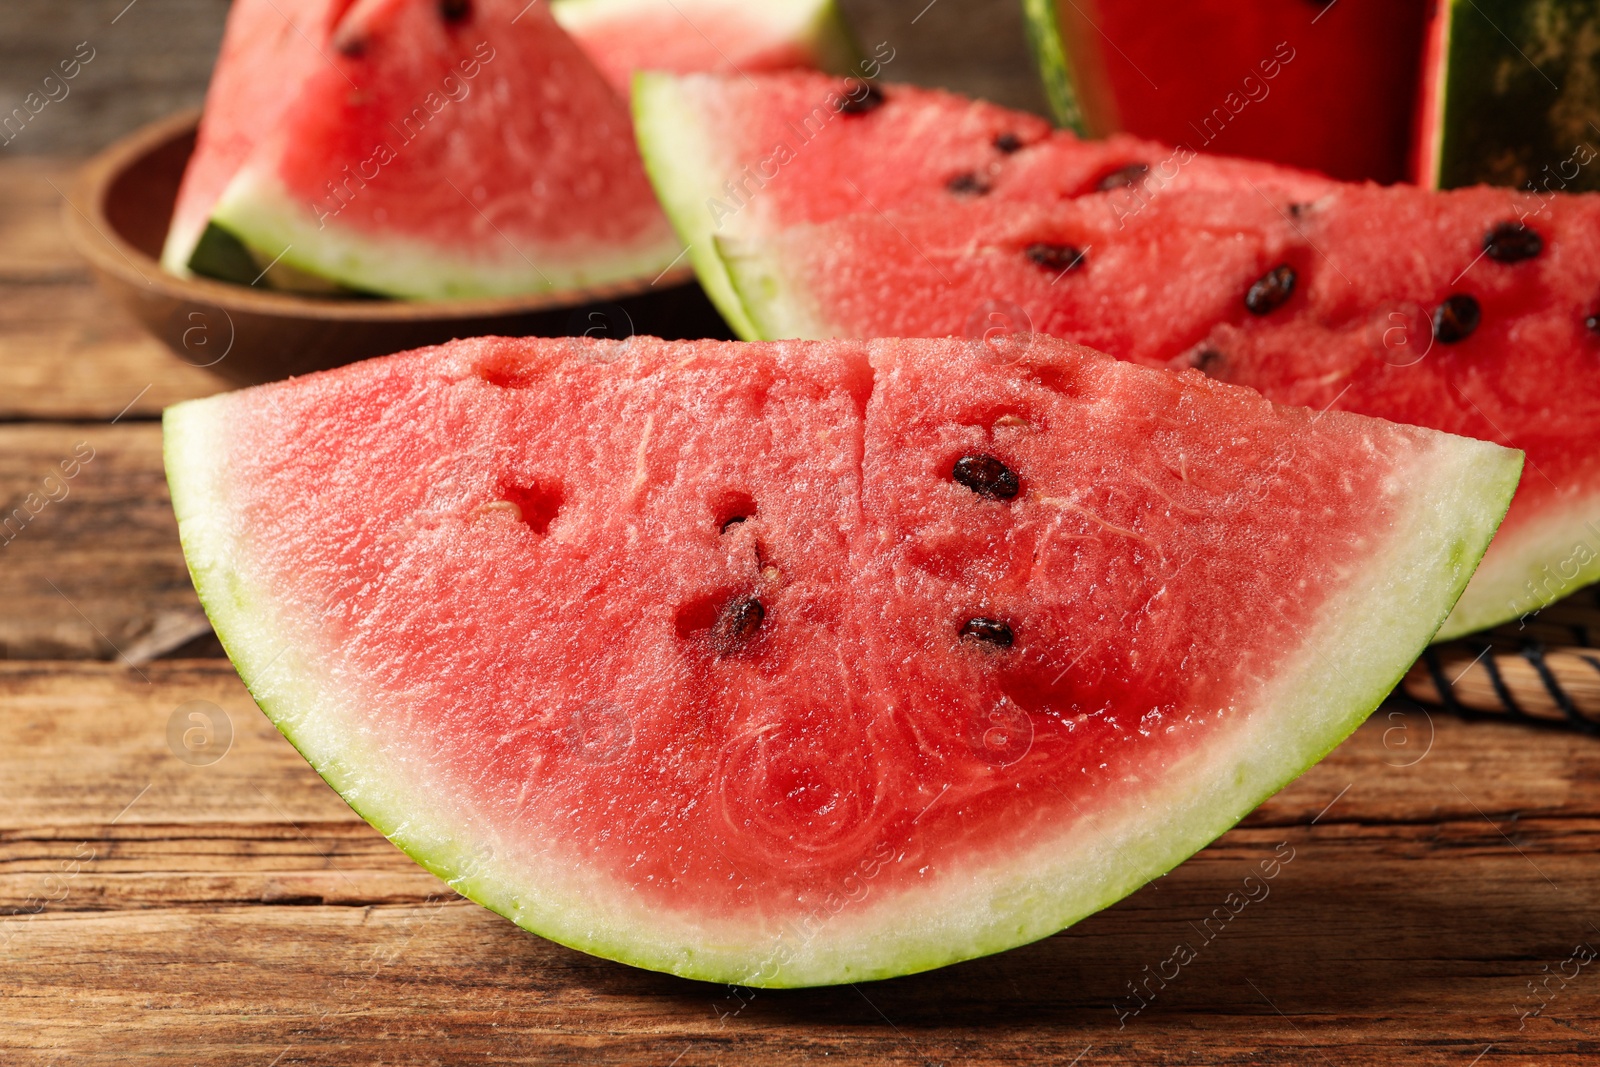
<point>1164,266</point>
<point>721,36</point>
<point>807,663</point>
<point>1328,86</point>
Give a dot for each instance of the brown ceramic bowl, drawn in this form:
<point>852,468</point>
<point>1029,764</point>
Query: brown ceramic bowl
<point>118,219</point>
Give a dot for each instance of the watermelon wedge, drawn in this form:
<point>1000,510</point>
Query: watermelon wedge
<point>809,663</point>
<point>1510,92</point>
<point>1328,85</point>
<point>1166,271</point>
<point>723,36</point>
<point>741,158</point>
<point>451,150</point>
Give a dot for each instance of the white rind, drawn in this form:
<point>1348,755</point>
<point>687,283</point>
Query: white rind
<point>684,161</point>
<point>260,212</point>
<point>1449,502</point>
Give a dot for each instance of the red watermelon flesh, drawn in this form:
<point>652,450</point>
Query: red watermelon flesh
<point>726,36</point>
<point>1371,267</point>
<point>268,44</point>
<point>452,151</point>
<point>1329,86</point>
<point>741,157</point>
<point>503,596</point>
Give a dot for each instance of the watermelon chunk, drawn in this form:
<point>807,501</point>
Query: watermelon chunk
<point>1328,86</point>
<point>1166,268</point>
<point>451,150</point>
<point>808,663</point>
<point>740,158</point>
<point>723,36</point>
<point>1509,94</point>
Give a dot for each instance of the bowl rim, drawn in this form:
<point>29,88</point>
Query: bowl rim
<point>90,230</point>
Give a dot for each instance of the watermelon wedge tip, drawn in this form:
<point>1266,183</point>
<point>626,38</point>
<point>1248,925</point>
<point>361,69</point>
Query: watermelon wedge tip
<point>809,663</point>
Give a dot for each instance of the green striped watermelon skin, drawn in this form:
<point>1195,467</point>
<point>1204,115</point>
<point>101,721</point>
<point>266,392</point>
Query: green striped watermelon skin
<point>1511,96</point>
<point>499,594</point>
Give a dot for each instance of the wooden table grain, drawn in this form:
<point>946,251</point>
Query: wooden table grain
<point>177,886</point>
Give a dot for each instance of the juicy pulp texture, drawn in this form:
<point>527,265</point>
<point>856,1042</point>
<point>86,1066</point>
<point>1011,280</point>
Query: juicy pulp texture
<point>268,45</point>
<point>1168,284</point>
<point>1326,86</point>
<point>499,594</point>
<point>722,36</point>
<point>439,156</point>
<point>741,158</point>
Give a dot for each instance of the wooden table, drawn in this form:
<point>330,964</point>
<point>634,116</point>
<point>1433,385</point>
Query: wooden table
<point>170,904</point>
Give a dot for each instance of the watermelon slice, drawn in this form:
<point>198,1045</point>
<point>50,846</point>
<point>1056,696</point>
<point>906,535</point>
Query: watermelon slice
<point>451,150</point>
<point>1169,256</point>
<point>812,662</point>
<point>1511,89</point>
<point>740,158</point>
<point>725,36</point>
<point>1327,85</point>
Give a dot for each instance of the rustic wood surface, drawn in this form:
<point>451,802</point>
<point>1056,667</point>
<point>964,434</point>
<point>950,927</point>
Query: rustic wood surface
<point>183,890</point>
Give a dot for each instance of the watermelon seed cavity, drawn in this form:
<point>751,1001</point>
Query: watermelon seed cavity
<point>1060,258</point>
<point>967,184</point>
<point>1456,318</point>
<point>1008,142</point>
<point>1271,291</point>
<point>1123,177</point>
<point>737,623</point>
<point>1512,242</point>
<point>988,632</point>
<point>986,476</point>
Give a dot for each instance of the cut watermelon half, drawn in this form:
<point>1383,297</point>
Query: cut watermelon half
<point>808,663</point>
<point>1327,85</point>
<point>451,150</point>
<point>740,158</point>
<point>723,36</point>
<point>1510,91</point>
<point>1151,254</point>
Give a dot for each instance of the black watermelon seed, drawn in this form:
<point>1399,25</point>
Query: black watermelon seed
<point>859,101</point>
<point>731,523</point>
<point>986,476</point>
<point>1271,291</point>
<point>988,631</point>
<point>1512,242</point>
<point>1123,178</point>
<point>1055,257</point>
<point>737,623</point>
<point>1456,318</point>
<point>967,184</point>
<point>351,47</point>
<point>455,10</point>
<point>1207,360</point>
<point>1008,142</point>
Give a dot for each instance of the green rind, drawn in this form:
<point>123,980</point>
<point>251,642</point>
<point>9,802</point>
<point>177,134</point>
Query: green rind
<point>1521,89</point>
<point>682,160</point>
<point>1450,503</point>
<point>257,211</point>
<point>775,305</point>
<point>1045,40</point>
